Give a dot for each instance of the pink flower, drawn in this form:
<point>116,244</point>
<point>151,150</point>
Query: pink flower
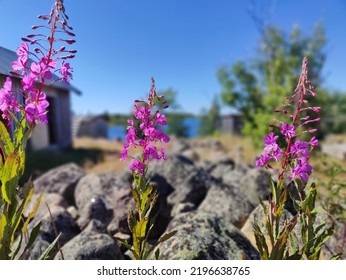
<point>35,108</point>
<point>314,142</point>
<point>143,133</point>
<point>270,138</point>
<point>42,69</point>
<point>28,82</point>
<point>7,100</point>
<point>143,113</point>
<point>150,153</point>
<point>300,149</point>
<point>262,161</point>
<point>137,167</point>
<point>20,63</point>
<point>288,130</point>
<point>160,119</point>
<point>65,73</point>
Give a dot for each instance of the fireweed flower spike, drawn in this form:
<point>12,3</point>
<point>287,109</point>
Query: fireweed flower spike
<point>295,169</point>
<point>144,133</point>
<point>48,49</point>
<point>37,58</point>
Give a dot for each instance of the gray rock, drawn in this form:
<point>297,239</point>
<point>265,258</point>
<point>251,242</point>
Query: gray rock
<point>95,209</point>
<point>179,145</point>
<point>90,245</point>
<point>50,199</point>
<point>61,180</point>
<point>183,208</point>
<point>114,192</point>
<point>189,182</point>
<point>228,202</point>
<point>336,244</point>
<point>219,168</point>
<point>257,216</point>
<point>37,249</point>
<point>191,155</point>
<point>110,191</point>
<point>95,226</point>
<point>203,236</point>
<point>64,224</point>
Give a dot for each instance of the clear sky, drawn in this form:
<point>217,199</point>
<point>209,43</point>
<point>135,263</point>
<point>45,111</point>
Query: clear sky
<point>181,43</point>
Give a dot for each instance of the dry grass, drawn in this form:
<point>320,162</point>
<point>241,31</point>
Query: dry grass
<point>110,150</point>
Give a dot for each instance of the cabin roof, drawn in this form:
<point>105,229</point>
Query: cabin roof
<point>7,57</point>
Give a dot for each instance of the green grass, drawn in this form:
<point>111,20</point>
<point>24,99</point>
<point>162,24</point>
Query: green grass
<point>39,162</point>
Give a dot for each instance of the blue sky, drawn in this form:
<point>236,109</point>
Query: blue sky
<point>181,43</point>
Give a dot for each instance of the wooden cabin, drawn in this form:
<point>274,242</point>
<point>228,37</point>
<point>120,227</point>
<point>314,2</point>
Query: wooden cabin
<point>58,132</point>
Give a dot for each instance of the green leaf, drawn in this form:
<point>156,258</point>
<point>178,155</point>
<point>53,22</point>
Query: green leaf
<point>167,236</point>
<point>136,196</point>
<point>17,245</point>
<point>5,140</point>
<point>33,212</point>
<point>124,242</point>
<point>33,235</point>
<point>141,228</point>
<point>145,196</point>
<point>261,242</point>
<point>3,224</point>
<point>309,202</point>
<point>48,254</point>
<point>157,254</point>
<point>10,177</point>
<point>279,247</point>
<point>131,220</point>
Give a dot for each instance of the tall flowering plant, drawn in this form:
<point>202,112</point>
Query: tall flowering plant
<point>292,154</point>
<point>38,59</point>
<point>143,133</point>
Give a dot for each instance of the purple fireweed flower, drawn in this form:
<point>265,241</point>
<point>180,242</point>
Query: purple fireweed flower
<point>8,100</point>
<point>271,150</point>
<point>270,138</point>
<point>41,69</point>
<point>28,82</point>
<point>65,72</point>
<point>160,119</point>
<point>287,130</point>
<point>262,161</point>
<point>295,153</point>
<point>143,133</point>
<point>300,149</point>
<point>36,108</point>
<point>314,142</point>
<point>22,53</point>
<point>150,153</point>
<point>142,113</point>
<point>301,171</point>
<point>137,167</point>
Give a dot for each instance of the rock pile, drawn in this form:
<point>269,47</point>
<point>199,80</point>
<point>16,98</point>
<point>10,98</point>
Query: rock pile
<point>208,203</point>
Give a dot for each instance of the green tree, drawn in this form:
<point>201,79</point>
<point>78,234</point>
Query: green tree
<point>175,119</point>
<point>210,120</point>
<point>257,87</point>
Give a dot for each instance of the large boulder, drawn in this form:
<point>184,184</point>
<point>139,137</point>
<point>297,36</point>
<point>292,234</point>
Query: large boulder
<point>253,182</point>
<point>90,245</point>
<point>58,221</point>
<point>104,192</point>
<point>188,182</point>
<point>228,202</point>
<point>204,236</point>
<point>107,198</point>
<point>61,180</point>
